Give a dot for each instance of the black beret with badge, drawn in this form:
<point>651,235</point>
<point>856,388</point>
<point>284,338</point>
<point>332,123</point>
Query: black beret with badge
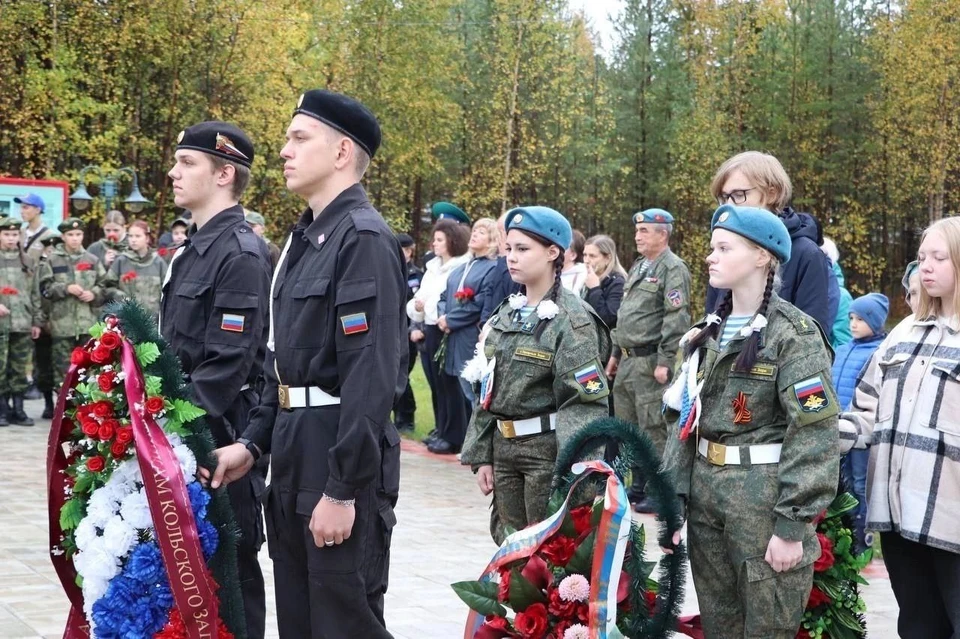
<point>222,139</point>
<point>343,113</point>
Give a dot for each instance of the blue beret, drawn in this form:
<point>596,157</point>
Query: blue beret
<point>222,139</point>
<point>543,222</point>
<point>757,225</point>
<point>653,216</point>
<point>447,211</point>
<point>344,114</point>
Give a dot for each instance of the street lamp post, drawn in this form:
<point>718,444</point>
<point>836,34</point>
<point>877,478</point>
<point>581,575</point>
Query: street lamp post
<point>135,202</point>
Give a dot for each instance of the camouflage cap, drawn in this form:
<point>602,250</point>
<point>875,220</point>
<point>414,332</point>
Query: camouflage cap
<point>71,224</point>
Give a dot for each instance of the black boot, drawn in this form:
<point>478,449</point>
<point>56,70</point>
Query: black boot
<point>33,392</point>
<point>47,405</point>
<point>17,416</point>
<point>3,411</point>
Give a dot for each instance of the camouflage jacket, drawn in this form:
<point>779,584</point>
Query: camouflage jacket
<point>68,316</point>
<point>787,397</point>
<point>99,248</point>
<point>16,292</point>
<point>562,373</point>
<point>655,311</point>
<point>134,277</point>
<point>36,249</point>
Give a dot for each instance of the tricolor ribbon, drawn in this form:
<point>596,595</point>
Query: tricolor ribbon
<point>611,545</point>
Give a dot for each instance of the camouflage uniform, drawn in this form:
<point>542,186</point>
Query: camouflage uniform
<point>99,248</point>
<point>37,248</point>
<point>787,397</point>
<point>69,318</point>
<point>134,277</point>
<point>654,314</point>
<point>16,293</point>
<point>562,373</point>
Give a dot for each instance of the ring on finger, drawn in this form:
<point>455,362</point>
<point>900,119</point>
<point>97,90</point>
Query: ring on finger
<point>327,542</point>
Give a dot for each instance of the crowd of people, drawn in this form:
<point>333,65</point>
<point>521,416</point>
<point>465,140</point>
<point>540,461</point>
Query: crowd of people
<point>526,331</point>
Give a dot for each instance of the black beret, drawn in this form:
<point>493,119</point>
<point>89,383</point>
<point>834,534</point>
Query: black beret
<point>344,114</point>
<point>405,240</point>
<point>222,139</point>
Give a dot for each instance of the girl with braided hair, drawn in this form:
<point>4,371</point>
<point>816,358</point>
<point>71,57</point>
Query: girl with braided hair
<point>755,452</point>
<point>537,372</point>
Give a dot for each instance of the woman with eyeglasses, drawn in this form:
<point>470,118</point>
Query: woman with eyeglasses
<point>759,180</point>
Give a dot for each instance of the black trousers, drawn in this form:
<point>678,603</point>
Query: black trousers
<point>43,362</point>
<point>431,369</point>
<point>452,426</point>
<point>406,405</point>
<point>926,583</point>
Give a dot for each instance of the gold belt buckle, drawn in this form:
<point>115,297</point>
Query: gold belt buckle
<point>507,429</point>
<point>716,454</point>
<point>283,396</point>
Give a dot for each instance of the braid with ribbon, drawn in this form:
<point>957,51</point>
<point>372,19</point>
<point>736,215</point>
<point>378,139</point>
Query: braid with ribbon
<point>712,329</point>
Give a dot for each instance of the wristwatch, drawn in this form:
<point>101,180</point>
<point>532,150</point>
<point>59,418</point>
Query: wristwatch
<point>253,448</point>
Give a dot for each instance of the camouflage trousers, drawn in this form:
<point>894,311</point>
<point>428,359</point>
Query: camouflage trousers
<point>522,475</point>
<point>730,523</point>
<point>62,348</point>
<point>638,399</point>
<point>15,351</point>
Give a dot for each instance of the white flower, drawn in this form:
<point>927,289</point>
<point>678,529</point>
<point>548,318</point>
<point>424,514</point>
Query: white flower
<point>576,631</point>
<point>135,511</point>
<point>173,438</point>
<point>119,537</point>
<point>97,561</point>
<point>757,325</point>
<point>547,309</point>
<point>86,532</point>
<point>713,318</point>
<point>125,476</point>
<point>517,301</point>
<point>188,463</point>
<point>473,369</point>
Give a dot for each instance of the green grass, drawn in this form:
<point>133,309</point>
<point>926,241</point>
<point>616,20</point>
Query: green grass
<point>423,418</point>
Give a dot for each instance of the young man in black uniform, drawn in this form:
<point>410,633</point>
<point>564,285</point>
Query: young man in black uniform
<point>336,360</point>
<point>213,312</point>
<point>405,406</point>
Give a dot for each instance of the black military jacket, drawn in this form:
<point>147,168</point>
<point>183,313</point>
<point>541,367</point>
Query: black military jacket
<point>213,312</point>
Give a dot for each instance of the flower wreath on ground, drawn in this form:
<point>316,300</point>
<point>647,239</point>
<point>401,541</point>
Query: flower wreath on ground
<point>581,573</point>
<point>141,547</point>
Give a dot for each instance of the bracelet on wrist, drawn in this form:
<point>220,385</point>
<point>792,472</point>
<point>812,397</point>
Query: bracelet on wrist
<point>339,502</point>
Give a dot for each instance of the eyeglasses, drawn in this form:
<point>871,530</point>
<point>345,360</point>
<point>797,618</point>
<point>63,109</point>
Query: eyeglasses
<point>737,196</point>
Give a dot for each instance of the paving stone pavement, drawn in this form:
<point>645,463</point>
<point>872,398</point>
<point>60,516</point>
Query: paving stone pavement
<point>441,538</point>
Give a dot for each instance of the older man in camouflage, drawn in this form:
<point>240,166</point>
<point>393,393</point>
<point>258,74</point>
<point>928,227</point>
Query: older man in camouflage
<point>653,316</point>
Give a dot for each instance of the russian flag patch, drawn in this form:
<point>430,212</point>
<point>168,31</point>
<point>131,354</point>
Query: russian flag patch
<point>353,324</point>
<point>590,380</point>
<point>232,323</point>
<point>811,396</point>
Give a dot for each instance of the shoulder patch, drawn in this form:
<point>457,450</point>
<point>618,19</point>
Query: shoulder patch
<point>590,380</point>
<point>249,242</point>
<point>811,395</point>
<point>367,220</point>
<point>675,297</point>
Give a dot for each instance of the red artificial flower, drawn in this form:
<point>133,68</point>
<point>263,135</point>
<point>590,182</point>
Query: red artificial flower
<point>560,608</point>
<point>103,408</point>
<point>583,613</point>
<point>464,295</point>
<point>826,554</point>
<point>84,266</point>
<point>561,628</point>
<point>96,464</point>
<point>124,434</point>
<point>582,517</point>
<point>9,290</point>
<point>817,597</point>
<point>532,622</point>
<point>117,449</point>
<point>494,628</point>
<point>559,550</point>
<point>90,428</point>
<point>106,381</point>
<point>79,357</point>
<point>650,598</point>
<point>129,276</point>
<point>175,628</point>
<point>537,572</point>
<point>162,251</point>
<point>110,340</point>
<point>154,405</point>
<point>101,355</point>
<point>503,589</point>
<point>106,431</point>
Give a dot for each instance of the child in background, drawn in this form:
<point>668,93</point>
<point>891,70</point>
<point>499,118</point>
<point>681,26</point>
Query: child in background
<point>868,314</point>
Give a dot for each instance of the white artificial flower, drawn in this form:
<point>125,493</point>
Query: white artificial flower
<point>173,438</point>
<point>135,511</point>
<point>126,476</point>
<point>188,463</point>
<point>517,301</point>
<point>473,369</point>
<point>119,537</point>
<point>547,309</point>
<point>713,318</point>
<point>758,324</point>
<point>97,561</point>
<point>86,532</point>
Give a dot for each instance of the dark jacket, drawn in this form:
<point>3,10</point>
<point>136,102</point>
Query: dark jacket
<point>806,277</point>
<point>464,319</point>
<point>503,286</point>
<point>605,299</point>
<point>849,362</point>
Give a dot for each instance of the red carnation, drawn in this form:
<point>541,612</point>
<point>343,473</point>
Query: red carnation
<point>464,295</point>
<point>9,290</point>
<point>103,408</point>
<point>582,517</point>
<point>162,251</point>
<point>101,355</point>
<point>154,405</point>
<point>503,590</point>
<point>118,449</point>
<point>79,356</point>
<point>817,597</point>
<point>532,622</point>
<point>494,628</point>
<point>110,340</point>
<point>106,381</point>
<point>560,608</point>
<point>84,266</point>
<point>124,435</point>
<point>96,464</point>
<point>826,554</point>
<point>106,430</point>
<point>559,550</point>
<point>583,612</point>
<point>129,276</point>
<point>90,428</point>
<point>651,599</point>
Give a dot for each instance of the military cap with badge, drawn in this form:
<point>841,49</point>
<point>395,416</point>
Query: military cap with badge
<point>71,224</point>
<point>10,224</point>
<point>448,211</point>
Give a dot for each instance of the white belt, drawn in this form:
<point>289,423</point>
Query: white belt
<point>720,455</point>
<point>521,427</point>
<point>304,397</point>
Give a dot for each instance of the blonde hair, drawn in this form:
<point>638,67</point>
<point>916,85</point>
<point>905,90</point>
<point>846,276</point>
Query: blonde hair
<point>608,249</point>
<point>949,228</point>
<point>490,226</point>
<point>763,171</point>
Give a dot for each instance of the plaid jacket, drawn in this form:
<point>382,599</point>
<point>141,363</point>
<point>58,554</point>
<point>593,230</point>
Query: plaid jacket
<point>907,407</point>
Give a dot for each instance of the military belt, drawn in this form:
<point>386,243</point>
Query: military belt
<point>291,397</point>
<point>640,351</point>
<point>720,455</point>
<point>511,428</point>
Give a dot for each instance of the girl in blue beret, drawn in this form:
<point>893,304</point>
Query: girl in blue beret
<point>755,451</point>
<point>537,372</point>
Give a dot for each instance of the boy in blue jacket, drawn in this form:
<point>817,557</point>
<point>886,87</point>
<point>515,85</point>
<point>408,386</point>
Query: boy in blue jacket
<point>868,314</point>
